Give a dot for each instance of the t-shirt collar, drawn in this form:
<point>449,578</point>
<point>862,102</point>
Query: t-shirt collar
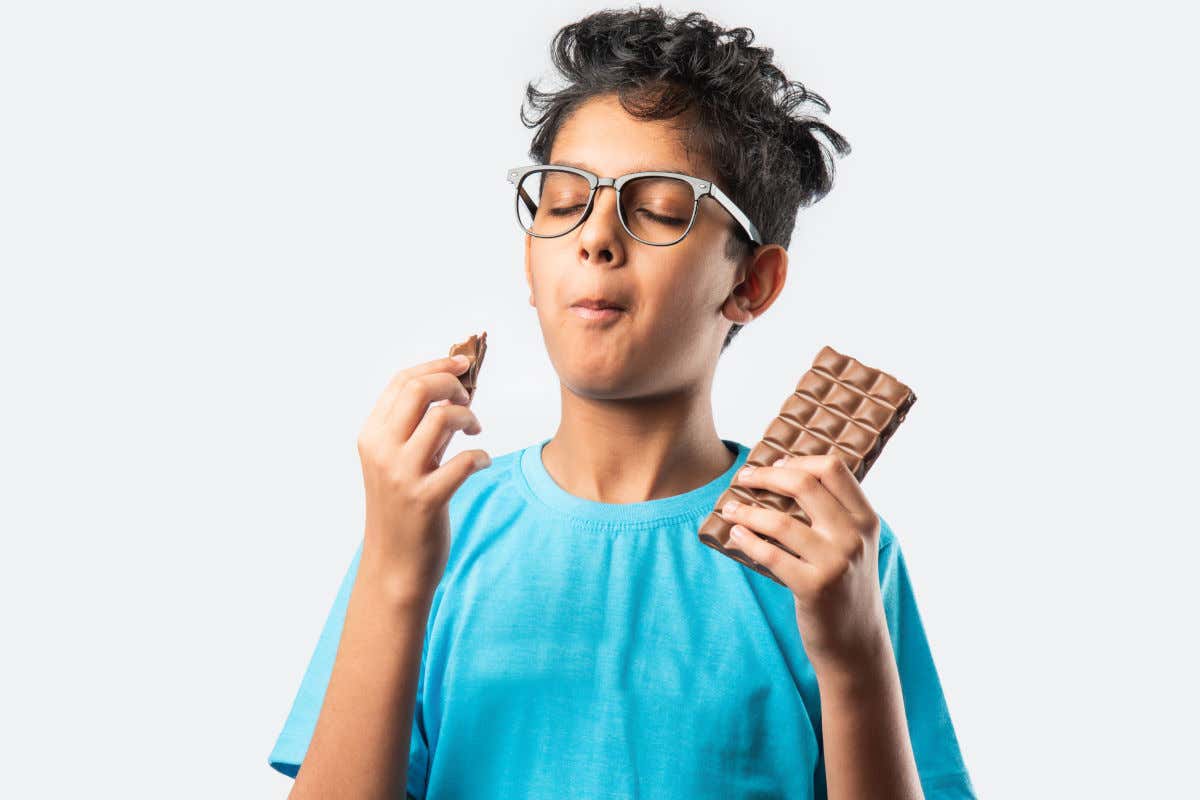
<point>695,503</point>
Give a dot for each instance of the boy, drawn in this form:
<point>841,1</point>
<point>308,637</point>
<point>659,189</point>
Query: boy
<point>573,638</point>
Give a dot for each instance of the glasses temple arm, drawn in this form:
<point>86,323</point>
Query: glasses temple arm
<point>523,195</point>
<point>735,212</point>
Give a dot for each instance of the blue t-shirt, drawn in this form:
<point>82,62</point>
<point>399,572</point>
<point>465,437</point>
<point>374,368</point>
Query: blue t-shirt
<point>599,650</point>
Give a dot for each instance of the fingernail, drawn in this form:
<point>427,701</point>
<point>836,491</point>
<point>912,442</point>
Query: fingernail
<point>461,359</point>
<point>482,462</point>
<point>735,532</point>
<point>730,507</point>
<point>746,472</point>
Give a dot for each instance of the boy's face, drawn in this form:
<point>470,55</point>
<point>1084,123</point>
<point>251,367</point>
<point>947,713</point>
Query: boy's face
<point>678,299</point>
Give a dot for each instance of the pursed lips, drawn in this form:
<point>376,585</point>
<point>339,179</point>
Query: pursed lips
<point>596,310</point>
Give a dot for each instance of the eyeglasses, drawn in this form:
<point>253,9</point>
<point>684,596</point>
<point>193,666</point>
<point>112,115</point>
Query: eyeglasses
<point>656,208</point>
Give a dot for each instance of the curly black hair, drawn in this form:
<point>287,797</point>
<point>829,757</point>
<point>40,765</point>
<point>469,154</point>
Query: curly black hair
<point>659,66</point>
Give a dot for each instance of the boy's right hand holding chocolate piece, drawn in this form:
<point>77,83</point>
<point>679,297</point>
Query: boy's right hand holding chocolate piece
<point>408,490</point>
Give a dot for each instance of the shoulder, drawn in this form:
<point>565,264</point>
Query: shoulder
<point>490,497</point>
<point>483,508</point>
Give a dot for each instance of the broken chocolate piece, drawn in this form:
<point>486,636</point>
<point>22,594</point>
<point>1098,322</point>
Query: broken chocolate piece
<point>473,348</point>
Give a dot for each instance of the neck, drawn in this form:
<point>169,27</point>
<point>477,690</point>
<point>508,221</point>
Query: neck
<point>634,450</point>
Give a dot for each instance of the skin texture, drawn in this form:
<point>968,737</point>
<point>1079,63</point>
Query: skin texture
<point>642,384</point>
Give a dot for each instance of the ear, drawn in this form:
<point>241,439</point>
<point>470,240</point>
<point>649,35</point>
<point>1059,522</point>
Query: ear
<point>528,272</point>
<point>759,282</point>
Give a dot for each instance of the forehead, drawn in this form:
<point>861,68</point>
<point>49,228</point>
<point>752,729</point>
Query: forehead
<point>602,137</point>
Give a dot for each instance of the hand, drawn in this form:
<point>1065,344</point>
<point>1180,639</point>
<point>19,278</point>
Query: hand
<point>833,565</point>
<point>408,490</point>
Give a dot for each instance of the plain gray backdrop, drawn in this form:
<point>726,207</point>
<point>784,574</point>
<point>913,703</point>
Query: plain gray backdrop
<point>221,234</point>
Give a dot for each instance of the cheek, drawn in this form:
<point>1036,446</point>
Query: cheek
<point>542,275</point>
<point>694,288</point>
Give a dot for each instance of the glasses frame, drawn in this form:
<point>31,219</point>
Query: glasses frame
<point>700,188</point>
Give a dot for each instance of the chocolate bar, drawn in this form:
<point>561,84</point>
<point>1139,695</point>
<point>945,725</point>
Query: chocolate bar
<point>840,405</point>
<point>472,348</point>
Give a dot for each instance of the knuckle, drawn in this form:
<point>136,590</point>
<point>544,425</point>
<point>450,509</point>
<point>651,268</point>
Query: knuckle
<point>418,386</point>
<point>750,517</point>
<point>854,550</point>
<point>767,554</point>
<point>772,521</point>
<point>806,481</point>
<point>834,571</point>
<point>400,379</point>
<point>397,478</point>
<point>863,522</point>
<point>368,446</point>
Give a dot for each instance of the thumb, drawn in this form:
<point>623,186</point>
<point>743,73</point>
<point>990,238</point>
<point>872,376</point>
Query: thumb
<point>445,480</point>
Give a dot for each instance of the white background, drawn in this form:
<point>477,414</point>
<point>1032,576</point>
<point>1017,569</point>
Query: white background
<point>217,243</point>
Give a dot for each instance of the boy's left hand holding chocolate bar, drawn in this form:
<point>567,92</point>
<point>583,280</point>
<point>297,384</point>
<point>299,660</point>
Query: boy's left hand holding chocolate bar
<point>835,579</point>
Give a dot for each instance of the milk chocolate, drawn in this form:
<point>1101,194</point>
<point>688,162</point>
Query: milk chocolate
<point>841,406</point>
<point>473,348</point>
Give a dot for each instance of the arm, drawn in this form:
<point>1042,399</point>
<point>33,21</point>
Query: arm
<point>867,748</point>
<point>360,743</point>
<point>831,566</point>
<point>359,747</point>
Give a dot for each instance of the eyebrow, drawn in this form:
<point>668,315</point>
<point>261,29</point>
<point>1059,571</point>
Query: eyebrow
<point>640,168</point>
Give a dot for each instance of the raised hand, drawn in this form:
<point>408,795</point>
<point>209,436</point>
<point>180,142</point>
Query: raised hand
<point>832,567</point>
<point>408,489</point>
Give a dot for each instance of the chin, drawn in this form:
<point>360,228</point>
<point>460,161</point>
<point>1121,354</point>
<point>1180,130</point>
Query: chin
<point>596,374</point>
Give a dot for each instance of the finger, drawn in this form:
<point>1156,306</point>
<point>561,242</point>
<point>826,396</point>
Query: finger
<point>387,398</point>
<point>417,396</point>
<point>445,480</point>
<point>788,532</point>
<point>441,450</point>
<point>797,574</point>
<point>835,475</point>
<point>470,430</point>
<point>428,441</point>
<point>798,483</point>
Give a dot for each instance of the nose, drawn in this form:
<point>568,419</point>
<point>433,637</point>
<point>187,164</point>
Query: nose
<point>601,233</point>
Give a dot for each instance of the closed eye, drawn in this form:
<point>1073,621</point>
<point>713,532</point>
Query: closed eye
<point>661,219</point>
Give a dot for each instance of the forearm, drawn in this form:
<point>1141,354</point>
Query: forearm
<point>867,748</point>
<point>359,747</point>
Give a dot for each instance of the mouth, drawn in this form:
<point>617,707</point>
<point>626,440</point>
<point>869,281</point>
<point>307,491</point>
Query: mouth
<point>597,308</point>
<point>587,312</point>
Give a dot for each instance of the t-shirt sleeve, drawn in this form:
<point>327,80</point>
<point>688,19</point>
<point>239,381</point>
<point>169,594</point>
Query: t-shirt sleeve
<point>292,743</point>
<point>935,746</point>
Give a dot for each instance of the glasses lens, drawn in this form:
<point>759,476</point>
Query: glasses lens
<point>658,210</point>
<point>550,202</point>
